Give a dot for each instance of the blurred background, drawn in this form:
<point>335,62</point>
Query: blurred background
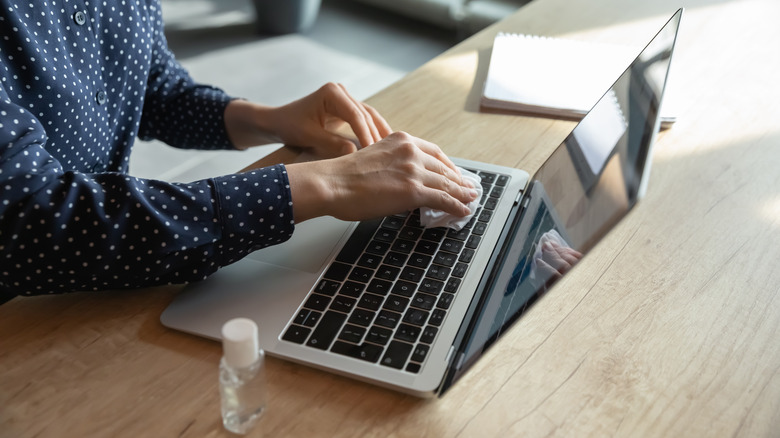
<point>364,44</point>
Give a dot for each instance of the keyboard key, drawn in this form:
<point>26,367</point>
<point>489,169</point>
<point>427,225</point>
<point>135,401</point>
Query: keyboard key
<point>460,270</point>
<point>378,248</point>
<point>461,234</point>
<point>302,316</point>
<point>502,180</point>
<point>369,261</point>
<point>379,287</point>
<point>434,234</point>
<point>420,352</point>
<point>490,203</point>
<point>430,286</point>
<point>488,177</point>
<point>451,245</point>
<point>445,301</point>
<point>396,354</point>
<point>404,288</point>
<point>327,287</point>
<point>410,233</point>
<point>370,301</point>
<point>419,260</point>
<point>473,242</point>
<point>415,316</point>
<point>393,223</point>
<point>412,274</point>
<point>317,302</point>
<point>479,229</point>
<point>296,333</point>
<point>385,235</point>
<point>337,271</point>
<point>426,247</point>
<point>395,258</point>
<point>396,303</point>
<point>361,274</point>
<point>466,256</point>
<point>386,272</point>
<point>413,367</point>
<point>326,330</point>
<point>352,333</point>
<point>387,318</point>
<point>445,259</point>
<point>343,303</point>
<point>437,317</point>
<point>352,289</point>
<point>414,220</point>
<point>407,332</point>
<point>403,246</point>
<point>485,216</point>
<point>429,334</point>
<point>379,335</point>
<point>361,235</point>
<point>452,285</point>
<point>423,301</point>
<point>367,352</point>
<point>312,319</point>
<point>362,317</point>
<point>438,272</point>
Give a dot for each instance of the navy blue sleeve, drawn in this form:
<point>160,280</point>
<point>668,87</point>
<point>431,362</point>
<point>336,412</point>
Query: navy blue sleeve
<point>64,230</point>
<point>177,110</point>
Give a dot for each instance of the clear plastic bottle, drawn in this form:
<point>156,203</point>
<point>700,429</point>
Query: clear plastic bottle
<point>241,376</point>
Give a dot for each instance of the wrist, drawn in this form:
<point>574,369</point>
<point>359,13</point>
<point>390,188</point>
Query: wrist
<point>250,124</point>
<point>311,193</point>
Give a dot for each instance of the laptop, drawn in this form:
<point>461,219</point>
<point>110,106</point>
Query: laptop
<point>412,309</point>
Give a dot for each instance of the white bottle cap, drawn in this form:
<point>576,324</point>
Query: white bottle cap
<point>239,342</point>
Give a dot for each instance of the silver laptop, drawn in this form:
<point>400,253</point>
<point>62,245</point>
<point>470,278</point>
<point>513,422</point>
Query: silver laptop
<point>389,302</point>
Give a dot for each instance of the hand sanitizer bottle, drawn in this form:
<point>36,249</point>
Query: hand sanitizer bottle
<point>241,376</point>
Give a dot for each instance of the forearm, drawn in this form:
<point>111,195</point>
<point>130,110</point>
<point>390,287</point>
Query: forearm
<point>250,124</point>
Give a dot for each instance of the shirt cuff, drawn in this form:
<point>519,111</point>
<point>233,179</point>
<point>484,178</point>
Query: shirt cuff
<point>255,208</point>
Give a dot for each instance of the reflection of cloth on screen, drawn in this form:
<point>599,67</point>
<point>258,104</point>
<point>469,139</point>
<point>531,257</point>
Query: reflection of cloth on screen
<point>550,236</point>
<point>430,218</point>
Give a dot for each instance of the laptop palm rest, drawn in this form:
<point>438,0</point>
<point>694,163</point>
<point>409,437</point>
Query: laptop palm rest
<point>266,286</point>
<point>309,247</point>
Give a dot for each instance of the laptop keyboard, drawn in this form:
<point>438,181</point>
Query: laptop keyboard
<point>387,293</point>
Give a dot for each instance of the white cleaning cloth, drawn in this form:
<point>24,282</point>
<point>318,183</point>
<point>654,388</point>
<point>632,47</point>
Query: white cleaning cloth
<point>430,218</point>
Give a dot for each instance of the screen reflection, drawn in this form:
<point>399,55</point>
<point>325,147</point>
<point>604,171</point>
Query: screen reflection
<point>588,184</point>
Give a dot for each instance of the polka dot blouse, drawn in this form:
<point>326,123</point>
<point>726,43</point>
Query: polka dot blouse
<point>80,81</point>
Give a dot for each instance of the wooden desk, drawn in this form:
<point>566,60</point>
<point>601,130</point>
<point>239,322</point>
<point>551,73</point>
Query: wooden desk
<point>668,328</point>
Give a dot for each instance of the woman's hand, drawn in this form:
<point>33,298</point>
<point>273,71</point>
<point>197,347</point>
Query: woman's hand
<point>314,121</point>
<point>398,173</point>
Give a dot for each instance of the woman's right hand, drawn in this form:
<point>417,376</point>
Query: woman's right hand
<point>398,173</point>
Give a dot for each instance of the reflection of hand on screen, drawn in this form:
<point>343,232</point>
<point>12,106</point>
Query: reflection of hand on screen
<point>557,260</point>
<point>553,258</point>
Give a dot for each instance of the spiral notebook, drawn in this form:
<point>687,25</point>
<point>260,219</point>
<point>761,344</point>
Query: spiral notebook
<point>554,77</point>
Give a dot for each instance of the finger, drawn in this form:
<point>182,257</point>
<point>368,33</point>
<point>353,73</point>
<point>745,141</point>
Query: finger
<point>569,255</point>
<point>435,151</point>
<point>552,257</point>
<point>446,184</point>
<point>382,126</point>
<point>443,201</point>
<point>338,103</point>
<point>361,121</point>
<point>546,271</point>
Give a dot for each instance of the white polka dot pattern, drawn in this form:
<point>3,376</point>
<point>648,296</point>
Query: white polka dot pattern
<point>80,80</point>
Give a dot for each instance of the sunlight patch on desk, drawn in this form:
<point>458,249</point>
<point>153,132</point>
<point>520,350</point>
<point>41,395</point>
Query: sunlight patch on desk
<point>770,211</point>
<point>271,71</point>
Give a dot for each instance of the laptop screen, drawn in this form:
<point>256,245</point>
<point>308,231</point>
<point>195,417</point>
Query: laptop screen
<point>584,188</point>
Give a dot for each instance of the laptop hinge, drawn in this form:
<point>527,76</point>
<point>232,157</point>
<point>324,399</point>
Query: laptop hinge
<point>449,354</point>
